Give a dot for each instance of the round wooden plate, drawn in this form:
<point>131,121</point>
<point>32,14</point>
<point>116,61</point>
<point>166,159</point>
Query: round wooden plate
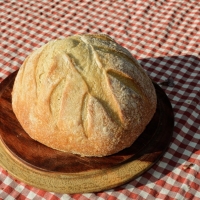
<point>52,170</point>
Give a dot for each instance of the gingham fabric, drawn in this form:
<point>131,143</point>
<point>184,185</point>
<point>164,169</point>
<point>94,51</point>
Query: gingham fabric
<point>164,35</point>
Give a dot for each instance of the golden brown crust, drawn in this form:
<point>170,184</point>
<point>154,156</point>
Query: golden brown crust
<point>84,94</point>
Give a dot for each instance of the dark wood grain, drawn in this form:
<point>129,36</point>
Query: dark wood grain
<point>152,142</point>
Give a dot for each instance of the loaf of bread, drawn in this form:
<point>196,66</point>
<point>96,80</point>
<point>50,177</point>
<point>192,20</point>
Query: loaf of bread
<point>85,95</point>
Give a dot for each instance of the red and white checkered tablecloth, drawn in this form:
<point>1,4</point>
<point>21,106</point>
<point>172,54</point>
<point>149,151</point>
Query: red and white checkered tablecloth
<point>164,35</point>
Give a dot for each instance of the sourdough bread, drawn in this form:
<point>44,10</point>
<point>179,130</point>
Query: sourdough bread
<point>85,95</point>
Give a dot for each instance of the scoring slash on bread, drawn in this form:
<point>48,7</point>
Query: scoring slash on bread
<point>84,94</point>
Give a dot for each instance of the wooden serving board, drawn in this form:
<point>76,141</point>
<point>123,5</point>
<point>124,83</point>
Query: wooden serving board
<point>52,170</point>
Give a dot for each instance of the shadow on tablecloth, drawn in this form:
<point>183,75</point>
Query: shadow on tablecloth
<point>179,77</point>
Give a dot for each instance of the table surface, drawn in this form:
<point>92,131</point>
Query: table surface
<point>164,36</point>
